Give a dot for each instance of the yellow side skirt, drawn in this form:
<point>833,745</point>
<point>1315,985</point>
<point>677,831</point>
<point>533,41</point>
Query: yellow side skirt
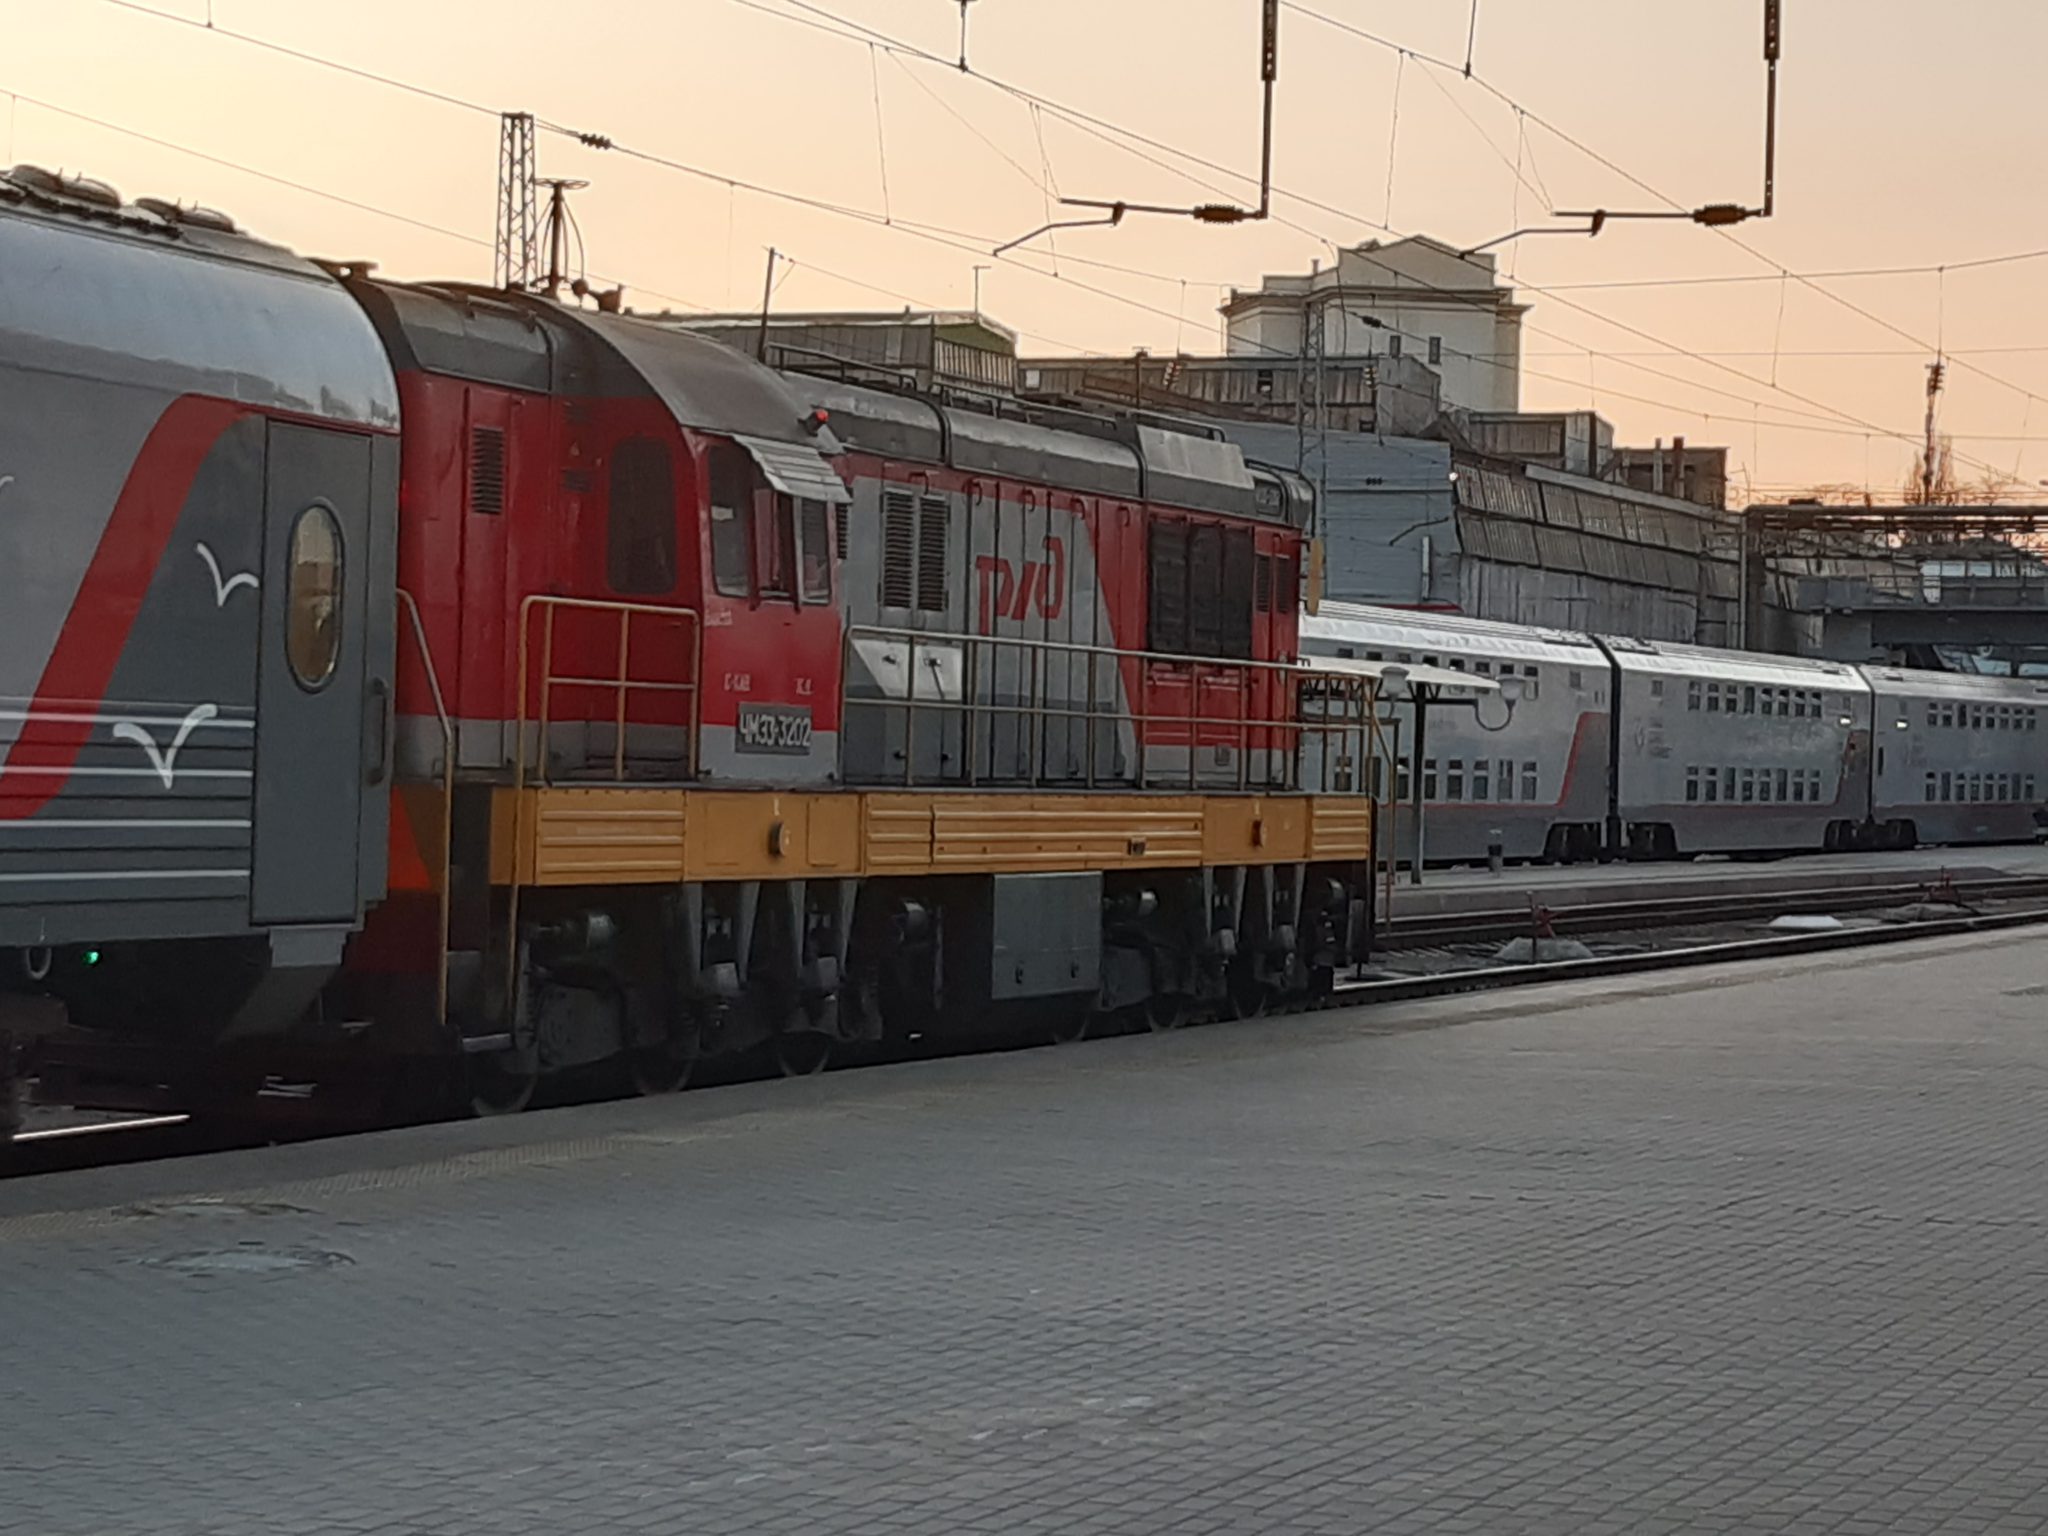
<point>575,836</point>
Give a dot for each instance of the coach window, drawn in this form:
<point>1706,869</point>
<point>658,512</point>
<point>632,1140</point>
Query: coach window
<point>1692,784</point>
<point>1454,779</point>
<point>1711,782</point>
<point>1506,777</point>
<point>1529,782</point>
<point>1693,693</point>
<point>732,499</point>
<point>1482,789</point>
<point>1529,681</point>
<point>312,637</point>
<point>640,520</point>
<point>1429,779</point>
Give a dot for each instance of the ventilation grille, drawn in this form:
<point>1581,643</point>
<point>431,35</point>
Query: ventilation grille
<point>931,554</point>
<point>1263,590</point>
<point>1205,590</point>
<point>487,470</point>
<point>1239,564</point>
<point>840,524</point>
<point>1168,630</point>
<point>899,548</point>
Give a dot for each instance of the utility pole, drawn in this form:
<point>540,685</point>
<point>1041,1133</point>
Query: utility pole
<point>516,253</point>
<point>979,268</point>
<point>1935,371</point>
<point>767,293</point>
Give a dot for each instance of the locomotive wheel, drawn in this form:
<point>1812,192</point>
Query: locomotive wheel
<point>802,1052</point>
<point>1167,1010</point>
<point>13,1091</point>
<point>499,1083</point>
<point>663,1067</point>
<point>1249,996</point>
<point>1073,1025</point>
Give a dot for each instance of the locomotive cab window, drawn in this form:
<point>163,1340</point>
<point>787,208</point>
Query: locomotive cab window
<point>775,546</point>
<point>814,549</point>
<point>640,520</point>
<point>732,500</point>
<point>312,639</point>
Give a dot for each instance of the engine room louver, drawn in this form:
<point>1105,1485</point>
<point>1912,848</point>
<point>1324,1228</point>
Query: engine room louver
<point>1239,562</point>
<point>931,554</point>
<point>487,470</point>
<point>899,548</point>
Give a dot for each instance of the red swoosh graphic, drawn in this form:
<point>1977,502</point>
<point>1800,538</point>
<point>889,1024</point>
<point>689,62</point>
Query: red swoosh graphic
<point>102,616</point>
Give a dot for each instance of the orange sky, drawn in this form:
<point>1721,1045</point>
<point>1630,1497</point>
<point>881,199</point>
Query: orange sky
<point>1903,142</point>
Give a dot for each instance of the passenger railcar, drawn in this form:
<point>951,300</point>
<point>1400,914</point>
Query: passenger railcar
<point>1959,759</point>
<point>1528,775</point>
<point>1730,752</point>
<point>1661,750</point>
<point>198,481</point>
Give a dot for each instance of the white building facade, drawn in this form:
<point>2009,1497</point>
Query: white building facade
<point>1413,298</point>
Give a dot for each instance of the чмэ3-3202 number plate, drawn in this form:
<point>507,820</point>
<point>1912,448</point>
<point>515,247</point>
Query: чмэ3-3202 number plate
<point>778,728</point>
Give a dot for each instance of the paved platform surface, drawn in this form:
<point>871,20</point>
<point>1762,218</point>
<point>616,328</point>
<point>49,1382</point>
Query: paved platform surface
<point>1479,890</point>
<point>1749,1250</point>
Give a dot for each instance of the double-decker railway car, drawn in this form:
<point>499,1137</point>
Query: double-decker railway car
<point>198,482</point>
<point>1731,752</point>
<point>1526,774</point>
<point>1959,759</point>
<point>1699,750</point>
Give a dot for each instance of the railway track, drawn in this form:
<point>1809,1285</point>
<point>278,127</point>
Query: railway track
<point>1430,929</point>
<point>145,1138</point>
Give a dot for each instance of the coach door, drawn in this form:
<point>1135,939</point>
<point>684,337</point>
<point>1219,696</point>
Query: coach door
<point>318,725</point>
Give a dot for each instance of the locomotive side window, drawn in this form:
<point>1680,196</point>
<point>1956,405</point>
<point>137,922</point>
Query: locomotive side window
<point>775,544</point>
<point>814,548</point>
<point>312,638</point>
<point>732,495</point>
<point>640,520</point>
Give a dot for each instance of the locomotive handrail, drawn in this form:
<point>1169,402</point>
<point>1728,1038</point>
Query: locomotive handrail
<point>622,684</point>
<point>447,724</point>
<point>1292,728</point>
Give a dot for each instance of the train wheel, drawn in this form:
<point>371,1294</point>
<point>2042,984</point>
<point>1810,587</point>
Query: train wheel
<point>662,1067</point>
<point>1073,1025</point>
<point>1167,1010</point>
<point>1249,996</point>
<point>499,1083</point>
<point>802,1052</point>
<point>13,1091</point>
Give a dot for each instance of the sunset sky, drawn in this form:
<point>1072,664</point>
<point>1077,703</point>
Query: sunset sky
<point>1910,136</point>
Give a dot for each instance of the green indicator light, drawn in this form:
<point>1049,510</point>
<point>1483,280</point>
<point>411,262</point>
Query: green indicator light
<point>92,957</point>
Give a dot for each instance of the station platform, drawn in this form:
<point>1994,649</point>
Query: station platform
<point>1445,892</point>
<point>1742,1250</point>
